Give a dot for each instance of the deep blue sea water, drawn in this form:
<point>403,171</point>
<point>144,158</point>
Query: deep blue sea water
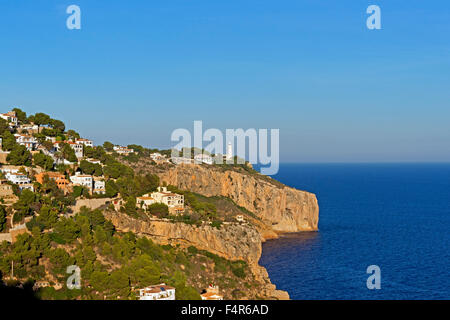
<point>396,216</point>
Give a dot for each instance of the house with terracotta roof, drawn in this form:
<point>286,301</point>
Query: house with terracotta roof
<point>145,201</point>
<point>26,140</point>
<point>10,117</point>
<point>59,178</point>
<point>78,148</point>
<point>85,142</point>
<point>174,201</point>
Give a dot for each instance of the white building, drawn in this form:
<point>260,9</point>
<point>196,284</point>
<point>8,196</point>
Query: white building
<point>17,178</point>
<point>85,142</point>
<point>212,293</point>
<point>99,186</point>
<point>10,117</point>
<point>29,127</point>
<point>28,186</point>
<point>51,139</point>
<point>174,201</point>
<point>62,161</point>
<point>145,201</point>
<point>83,180</point>
<point>78,148</point>
<point>122,150</point>
<point>170,199</point>
<point>28,141</point>
<point>10,169</point>
<point>158,292</point>
<point>181,160</point>
<point>203,158</point>
<point>158,157</point>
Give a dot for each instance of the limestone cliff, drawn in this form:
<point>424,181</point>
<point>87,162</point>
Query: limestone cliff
<point>232,241</point>
<point>277,208</point>
<point>281,208</point>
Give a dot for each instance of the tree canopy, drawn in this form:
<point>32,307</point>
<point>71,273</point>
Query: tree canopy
<point>43,161</point>
<point>19,155</point>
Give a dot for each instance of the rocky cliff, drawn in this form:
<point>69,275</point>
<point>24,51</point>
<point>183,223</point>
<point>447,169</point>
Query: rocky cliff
<point>277,208</point>
<point>232,241</point>
<point>281,208</point>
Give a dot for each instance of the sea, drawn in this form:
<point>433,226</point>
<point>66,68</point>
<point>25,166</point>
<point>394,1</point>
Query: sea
<point>392,216</point>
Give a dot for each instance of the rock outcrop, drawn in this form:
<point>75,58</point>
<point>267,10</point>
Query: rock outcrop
<point>281,208</point>
<point>277,207</point>
<point>232,241</point>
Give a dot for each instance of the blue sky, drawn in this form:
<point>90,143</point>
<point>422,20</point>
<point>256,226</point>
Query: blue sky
<point>337,91</point>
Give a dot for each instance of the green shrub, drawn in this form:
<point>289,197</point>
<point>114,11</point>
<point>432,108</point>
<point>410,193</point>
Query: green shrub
<point>216,224</point>
<point>192,250</point>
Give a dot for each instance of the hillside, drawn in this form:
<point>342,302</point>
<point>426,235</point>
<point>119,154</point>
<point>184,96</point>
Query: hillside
<point>206,227</point>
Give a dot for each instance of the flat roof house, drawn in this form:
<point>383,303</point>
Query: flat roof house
<point>122,150</point>
<point>83,180</point>
<point>157,292</point>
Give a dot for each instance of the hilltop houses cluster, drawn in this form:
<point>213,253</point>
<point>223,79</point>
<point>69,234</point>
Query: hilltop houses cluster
<point>204,158</point>
<point>20,175</point>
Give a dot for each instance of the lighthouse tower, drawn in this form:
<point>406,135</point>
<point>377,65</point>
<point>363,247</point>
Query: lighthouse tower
<point>229,155</point>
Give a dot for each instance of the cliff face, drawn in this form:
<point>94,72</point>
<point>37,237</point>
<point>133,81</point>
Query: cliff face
<point>278,209</point>
<point>281,208</point>
<point>232,241</point>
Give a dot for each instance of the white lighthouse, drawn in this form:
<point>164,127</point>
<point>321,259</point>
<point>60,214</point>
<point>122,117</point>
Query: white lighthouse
<point>229,155</point>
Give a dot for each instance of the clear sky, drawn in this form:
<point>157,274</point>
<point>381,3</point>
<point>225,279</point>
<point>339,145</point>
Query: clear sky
<point>337,91</point>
